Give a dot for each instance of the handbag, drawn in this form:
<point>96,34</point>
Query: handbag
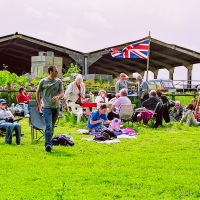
<point>9,119</point>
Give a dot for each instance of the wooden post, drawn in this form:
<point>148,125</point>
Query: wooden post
<point>148,57</point>
<point>9,95</point>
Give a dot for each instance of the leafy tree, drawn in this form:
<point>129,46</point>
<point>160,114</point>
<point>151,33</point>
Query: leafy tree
<point>72,69</point>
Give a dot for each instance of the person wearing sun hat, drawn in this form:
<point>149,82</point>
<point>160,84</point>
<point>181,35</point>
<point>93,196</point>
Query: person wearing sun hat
<point>7,123</point>
<point>122,83</point>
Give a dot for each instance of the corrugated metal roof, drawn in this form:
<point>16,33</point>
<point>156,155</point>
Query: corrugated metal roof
<point>16,51</point>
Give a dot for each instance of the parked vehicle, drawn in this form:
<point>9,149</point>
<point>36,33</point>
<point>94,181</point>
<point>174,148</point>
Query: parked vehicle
<point>164,85</point>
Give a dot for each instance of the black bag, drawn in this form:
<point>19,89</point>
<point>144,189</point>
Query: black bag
<point>106,134</point>
<point>20,113</point>
<point>9,119</point>
<point>62,140</point>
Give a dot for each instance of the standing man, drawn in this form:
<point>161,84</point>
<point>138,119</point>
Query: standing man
<point>143,88</point>
<point>52,90</point>
<point>122,83</point>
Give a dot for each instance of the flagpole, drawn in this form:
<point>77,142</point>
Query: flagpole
<point>148,57</point>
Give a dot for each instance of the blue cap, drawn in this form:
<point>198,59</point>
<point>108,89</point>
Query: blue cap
<point>2,101</point>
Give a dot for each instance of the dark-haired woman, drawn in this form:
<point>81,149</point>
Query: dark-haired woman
<point>97,118</point>
<point>23,97</point>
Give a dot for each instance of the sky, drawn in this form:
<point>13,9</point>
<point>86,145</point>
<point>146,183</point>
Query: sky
<point>88,25</point>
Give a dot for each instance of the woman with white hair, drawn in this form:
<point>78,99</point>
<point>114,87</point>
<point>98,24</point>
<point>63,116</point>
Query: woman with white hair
<point>143,88</point>
<point>75,91</point>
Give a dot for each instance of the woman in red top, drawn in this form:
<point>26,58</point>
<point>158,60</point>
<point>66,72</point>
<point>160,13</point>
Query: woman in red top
<point>22,96</point>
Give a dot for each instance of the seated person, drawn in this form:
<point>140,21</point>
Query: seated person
<point>23,97</point>
<point>176,112</point>
<point>188,116</point>
<point>162,109</point>
<point>133,91</point>
<point>123,99</point>
<point>194,103</point>
<point>101,98</point>
<point>115,98</point>
<point>7,122</point>
<point>152,101</point>
<point>159,96</point>
<point>75,91</point>
<point>96,119</point>
<point>149,105</point>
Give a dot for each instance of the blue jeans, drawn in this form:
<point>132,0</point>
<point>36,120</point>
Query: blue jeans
<point>50,117</point>
<point>25,107</point>
<point>10,127</point>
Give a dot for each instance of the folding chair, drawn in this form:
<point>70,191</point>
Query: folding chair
<point>2,131</point>
<point>36,120</point>
<point>126,113</point>
<point>153,118</point>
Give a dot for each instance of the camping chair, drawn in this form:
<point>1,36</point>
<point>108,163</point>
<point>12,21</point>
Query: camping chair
<point>126,113</point>
<point>75,109</point>
<point>2,131</point>
<point>36,120</point>
<point>153,118</point>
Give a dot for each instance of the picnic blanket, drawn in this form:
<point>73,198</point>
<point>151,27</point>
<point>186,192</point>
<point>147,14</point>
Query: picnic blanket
<point>124,133</point>
<point>102,142</point>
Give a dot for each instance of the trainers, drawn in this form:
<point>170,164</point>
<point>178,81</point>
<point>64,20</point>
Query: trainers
<point>48,148</point>
<point>27,115</point>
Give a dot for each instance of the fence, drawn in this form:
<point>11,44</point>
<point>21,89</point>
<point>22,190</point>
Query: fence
<point>9,94</point>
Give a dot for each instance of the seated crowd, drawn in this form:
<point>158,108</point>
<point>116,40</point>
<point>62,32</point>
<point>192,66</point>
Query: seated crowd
<point>156,104</point>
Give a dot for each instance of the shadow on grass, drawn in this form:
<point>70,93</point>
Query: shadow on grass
<point>60,153</point>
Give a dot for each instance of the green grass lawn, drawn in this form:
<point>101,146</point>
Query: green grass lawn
<point>161,163</point>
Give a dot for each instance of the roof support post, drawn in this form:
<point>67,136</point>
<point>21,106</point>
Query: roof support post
<point>189,75</point>
<point>85,65</point>
<point>155,74</point>
<point>171,73</point>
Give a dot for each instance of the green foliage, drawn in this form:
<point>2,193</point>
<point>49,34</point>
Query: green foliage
<point>36,80</point>
<point>72,69</point>
<point>100,80</point>
<point>7,77</point>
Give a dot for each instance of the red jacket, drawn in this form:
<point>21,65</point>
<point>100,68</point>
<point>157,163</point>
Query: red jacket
<point>23,98</point>
<point>145,116</point>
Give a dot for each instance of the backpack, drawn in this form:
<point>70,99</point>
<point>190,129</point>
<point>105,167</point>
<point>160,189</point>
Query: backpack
<point>106,134</point>
<point>62,140</point>
<point>115,124</point>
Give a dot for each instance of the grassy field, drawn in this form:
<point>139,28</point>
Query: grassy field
<point>161,163</point>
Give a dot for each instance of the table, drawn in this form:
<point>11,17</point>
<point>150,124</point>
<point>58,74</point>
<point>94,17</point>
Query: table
<point>89,105</point>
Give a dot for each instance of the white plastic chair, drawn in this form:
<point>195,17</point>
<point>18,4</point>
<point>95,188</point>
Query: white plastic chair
<point>75,109</point>
<point>126,112</point>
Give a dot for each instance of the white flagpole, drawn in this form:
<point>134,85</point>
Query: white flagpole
<point>148,57</point>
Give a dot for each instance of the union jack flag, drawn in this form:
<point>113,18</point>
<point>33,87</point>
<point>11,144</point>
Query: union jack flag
<point>115,53</point>
<point>135,50</point>
<point>3,87</point>
<point>12,87</point>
